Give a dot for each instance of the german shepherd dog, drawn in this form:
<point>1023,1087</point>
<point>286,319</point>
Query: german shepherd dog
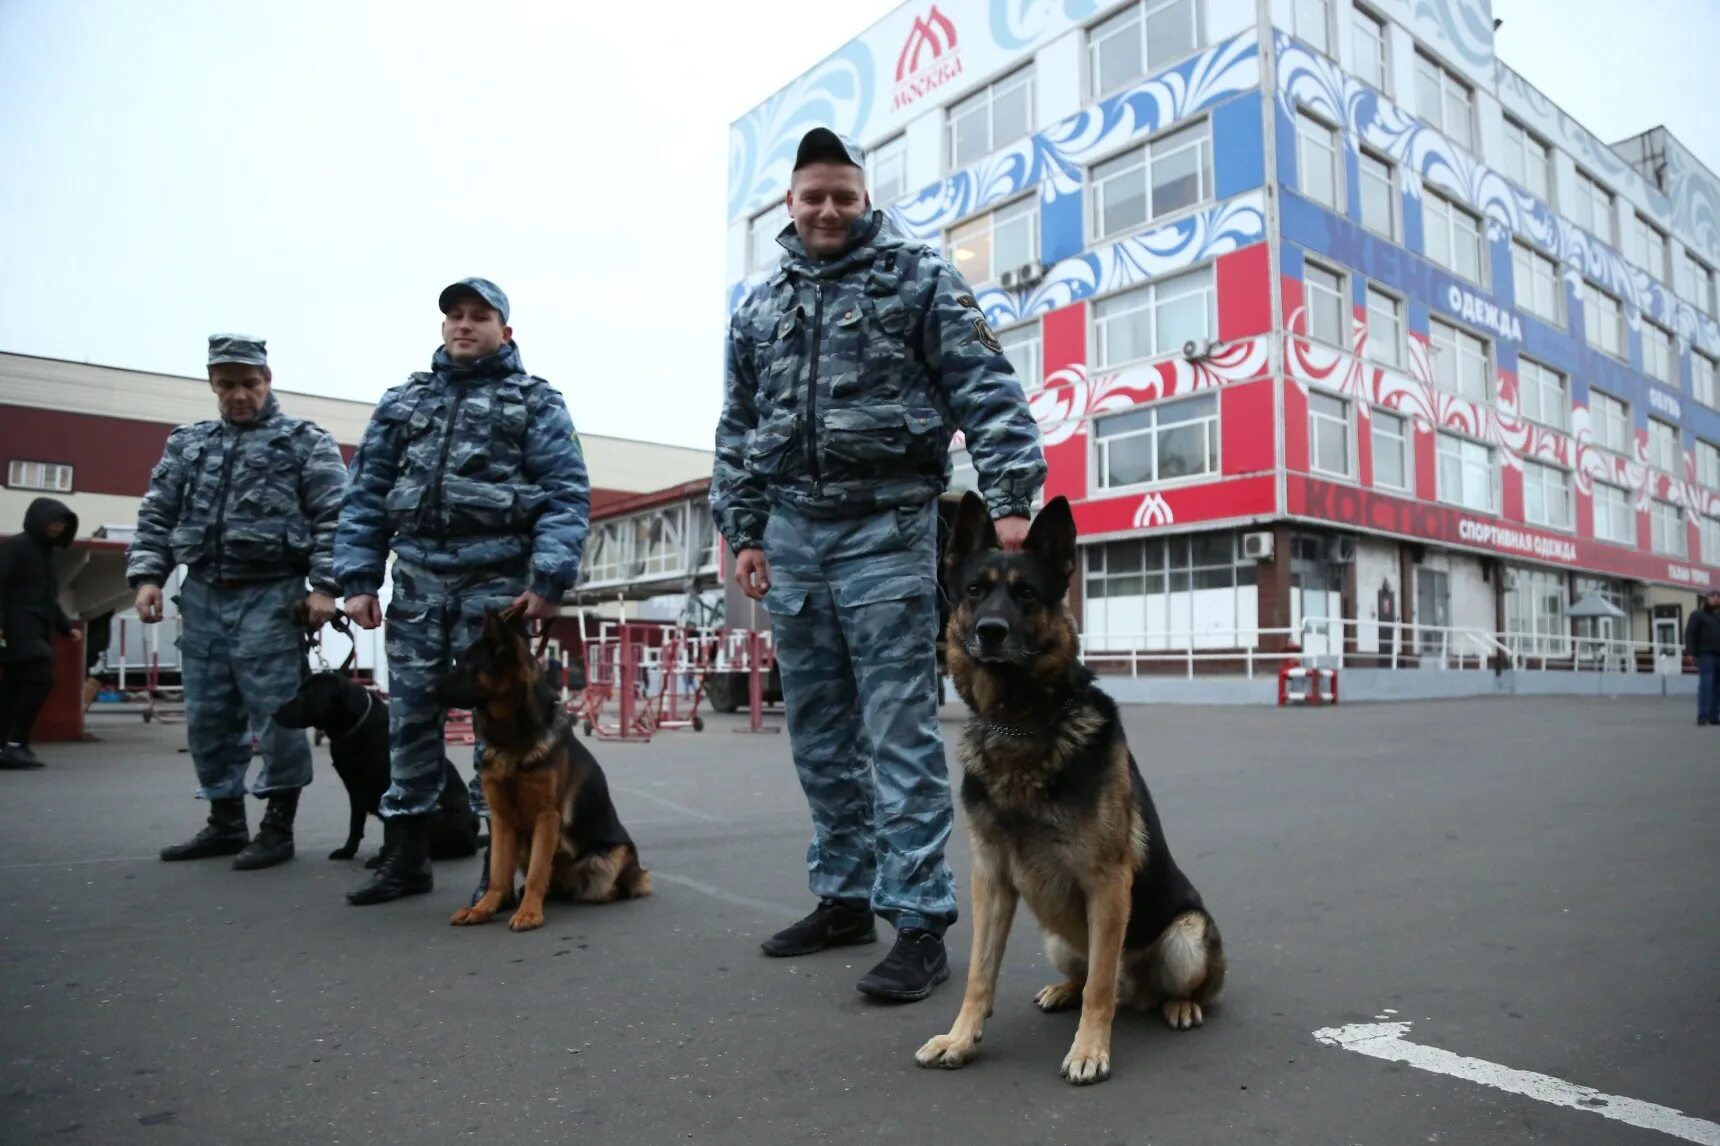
<point>550,813</point>
<point>1057,810</point>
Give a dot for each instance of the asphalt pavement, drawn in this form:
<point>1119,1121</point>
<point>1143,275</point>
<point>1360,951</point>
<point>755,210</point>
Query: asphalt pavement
<point>1525,882</point>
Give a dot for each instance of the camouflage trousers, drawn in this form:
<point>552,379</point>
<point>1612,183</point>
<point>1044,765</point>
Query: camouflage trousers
<point>240,659</point>
<point>432,617</point>
<point>855,610</point>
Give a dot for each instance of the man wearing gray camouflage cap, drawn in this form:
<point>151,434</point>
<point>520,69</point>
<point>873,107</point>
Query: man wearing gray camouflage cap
<point>471,473</point>
<point>247,502</point>
<point>849,370</point>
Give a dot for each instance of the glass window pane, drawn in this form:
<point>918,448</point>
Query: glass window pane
<point>1117,52</point>
<point>970,136</point>
<point>1179,164</point>
<point>1181,319</point>
<point>1122,199</point>
<point>1183,451</point>
<point>1171,33</point>
<point>1011,113</point>
<point>1378,209</point>
<point>1129,461</point>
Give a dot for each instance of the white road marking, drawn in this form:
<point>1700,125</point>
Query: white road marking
<point>735,898</point>
<point>646,794</point>
<point>1386,1040</point>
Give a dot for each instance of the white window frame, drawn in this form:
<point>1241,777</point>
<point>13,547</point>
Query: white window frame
<point>1546,384</point>
<point>1470,456</point>
<point>1659,354</point>
<point>1370,49</point>
<point>1029,337</point>
<point>1391,428</point>
<point>1696,283</point>
<point>1448,87</point>
<point>1705,378</point>
<point>1148,298</point>
<point>761,243</point>
<point>1471,357</point>
<point>981,231</point>
<point>1610,424</point>
<point>1313,131</point>
<point>1595,208</point>
<point>1667,532</point>
<point>1651,246</point>
<point>1528,161</point>
<point>1311,22</point>
<point>1665,447</point>
<point>1135,20</point>
<point>988,98</point>
<point>1709,537</point>
<point>1708,467</point>
<point>1604,312</point>
<point>1615,518</point>
<point>1366,178</point>
<point>1152,422</point>
<point>1140,160</point>
<point>48,477</point>
<point>1392,305</point>
<point>1445,224</point>
<point>1329,409</point>
<point>891,154</point>
<point>1529,264</point>
<point>1546,495</point>
<point>1338,295</point>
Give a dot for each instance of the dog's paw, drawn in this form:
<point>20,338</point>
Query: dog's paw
<point>949,1051</point>
<point>1058,996</point>
<point>469,917</point>
<point>1183,1015</point>
<point>526,919</point>
<point>1087,1063</point>
<point>342,853</point>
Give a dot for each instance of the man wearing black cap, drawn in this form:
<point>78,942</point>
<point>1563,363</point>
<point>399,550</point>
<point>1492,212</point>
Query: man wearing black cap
<point>29,614</point>
<point>849,371</point>
<point>247,503</point>
<point>472,475</point>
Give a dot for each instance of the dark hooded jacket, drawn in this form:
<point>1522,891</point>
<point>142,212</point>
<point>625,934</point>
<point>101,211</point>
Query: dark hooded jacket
<point>29,600</point>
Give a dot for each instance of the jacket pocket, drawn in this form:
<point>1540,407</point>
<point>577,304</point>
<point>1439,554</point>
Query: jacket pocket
<point>189,543</point>
<point>773,447</point>
<point>784,601</point>
<point>255,544</point>
<point>886,438</point>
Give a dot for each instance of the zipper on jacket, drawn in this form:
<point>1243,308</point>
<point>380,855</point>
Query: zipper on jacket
<point>437,503</point>
<point>812,388</point>
<point>224,491</point>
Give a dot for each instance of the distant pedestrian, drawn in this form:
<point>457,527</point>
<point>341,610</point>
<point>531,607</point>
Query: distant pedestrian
<point>1702,644</point>
<point>29,614</point>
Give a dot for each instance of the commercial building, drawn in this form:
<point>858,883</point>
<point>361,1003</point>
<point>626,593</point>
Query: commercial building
<point>1331,316</point>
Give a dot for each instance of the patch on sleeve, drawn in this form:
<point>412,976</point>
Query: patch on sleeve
<point>966,300</point>
<point>984,334</point>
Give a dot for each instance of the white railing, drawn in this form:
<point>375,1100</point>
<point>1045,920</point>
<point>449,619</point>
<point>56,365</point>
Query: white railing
<point>1327,641</point>
<point>1230,646</point>
<point>1557,652</point>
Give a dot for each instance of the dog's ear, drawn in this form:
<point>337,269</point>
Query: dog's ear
<point>1052,535</point>
<point>973,531</point>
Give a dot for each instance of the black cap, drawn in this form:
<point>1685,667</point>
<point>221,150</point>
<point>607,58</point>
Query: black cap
<point>821,145</point>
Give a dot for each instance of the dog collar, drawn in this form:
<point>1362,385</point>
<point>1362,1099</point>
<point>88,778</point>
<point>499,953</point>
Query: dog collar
<point>369,701</point>
<point>1010,731</point>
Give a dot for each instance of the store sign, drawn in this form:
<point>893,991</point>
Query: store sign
<point>1477,311</point>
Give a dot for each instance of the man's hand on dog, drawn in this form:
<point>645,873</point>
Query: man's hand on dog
<point>319,610</point>
<point>1011,531</point>
<point>536,608</point>
<point>752,573</point>
<point>364,609</point>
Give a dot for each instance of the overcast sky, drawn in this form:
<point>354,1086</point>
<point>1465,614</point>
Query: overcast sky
<point>314,172</point>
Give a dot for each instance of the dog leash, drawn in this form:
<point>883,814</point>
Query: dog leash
<point>513,613</point>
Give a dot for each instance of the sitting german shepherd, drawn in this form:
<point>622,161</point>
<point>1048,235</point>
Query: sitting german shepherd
<point>1057,809</point>
<point>550,813</point>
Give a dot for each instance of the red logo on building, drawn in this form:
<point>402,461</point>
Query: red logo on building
<point>930,57</point>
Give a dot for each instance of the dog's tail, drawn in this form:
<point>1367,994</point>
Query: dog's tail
<point>634,882</point>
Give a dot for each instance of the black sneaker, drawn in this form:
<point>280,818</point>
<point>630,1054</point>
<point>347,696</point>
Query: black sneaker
<point>833,923</point>
<point>915,965</point>
<point>18,758</point>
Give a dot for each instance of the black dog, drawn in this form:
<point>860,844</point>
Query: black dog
<point>355,720</point>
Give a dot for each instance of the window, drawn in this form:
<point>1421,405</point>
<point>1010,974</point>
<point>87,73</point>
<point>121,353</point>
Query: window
<point>1004,240</point>
<point>1022,347</point>
<point>763,249</point>
<point>1651,248</point>
<point>1391,450</point>
<point>1527,161</point>
<point>1603,320</point>
<point>1543,395</point>
<point>1169,174</point>
<point>1156,319</point>
<point>1317,158</point>
<point>1710,539</point>
<point>53,477</point>
<point>1614,520</point>
<point>1595,208</point>
<point>1611,419</point>
<point>1159,443</point>
<point>1659,355</point>
<point>998,114</point>
<point>657,541</point>
<point>1385,328</point>
<point>1704,379</point>
<point>1369,47</point>
<point>1460,362</point>
<point>1538,288</point>
<point>1663,447</point>
<point>1141,38</point>
<point>1451,235</point>
<point>1696,283</point>
<point>888,174</point>
<point>1312,20</point>
<point>1535,613</point>
<point>1546,495</point>
<point>1171,592</point>
<point>1328,434</point>
<point>1326,305</point>
<point>1666,528</point>
<point>1708,469</point>
<point>1445,102</point>
<point>1465,473</point>
<point>1379,195</point>
<point>606,555</point>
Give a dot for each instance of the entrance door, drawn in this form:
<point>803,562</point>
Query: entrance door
<point>1668,647</point>
<point>1432,609</point>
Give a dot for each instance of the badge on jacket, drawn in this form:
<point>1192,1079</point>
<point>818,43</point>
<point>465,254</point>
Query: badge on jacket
<point>984,334</point>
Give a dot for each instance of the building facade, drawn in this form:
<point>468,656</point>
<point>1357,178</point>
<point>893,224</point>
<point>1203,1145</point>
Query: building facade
<point>1331,316</point>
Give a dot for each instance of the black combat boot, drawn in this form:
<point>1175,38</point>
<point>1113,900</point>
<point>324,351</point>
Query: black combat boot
<point>833,923</point>
<point>405,868</point>
<point>223,835</point>
<point>274,842</point>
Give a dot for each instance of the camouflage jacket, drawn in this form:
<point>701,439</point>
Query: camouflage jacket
<point>848,378</point>
<point>463,469</point>
<point>241,502</point>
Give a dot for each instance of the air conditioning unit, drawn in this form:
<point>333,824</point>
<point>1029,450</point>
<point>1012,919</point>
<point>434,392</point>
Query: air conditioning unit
<point>1197,348</point>
<point>1341,550</point>
<point>1029,274</point>
<point>1257,546</point>
<point>1009,280</point>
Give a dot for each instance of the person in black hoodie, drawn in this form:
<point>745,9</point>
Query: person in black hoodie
<point>1702,645</point>
<point>29,614</point>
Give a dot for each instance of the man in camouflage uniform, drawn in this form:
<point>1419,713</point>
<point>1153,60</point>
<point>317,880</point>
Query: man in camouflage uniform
<point>849,370</point>
<point>248,503</point>
<point>472,474</point>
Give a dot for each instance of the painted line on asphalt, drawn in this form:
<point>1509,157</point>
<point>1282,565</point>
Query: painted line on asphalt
<point>645,794</point>
<point>735,898</point>
<point>1386,1041</point>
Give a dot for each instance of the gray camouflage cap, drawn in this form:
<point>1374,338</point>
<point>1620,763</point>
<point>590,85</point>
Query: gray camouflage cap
<point>821,145</point>
<point>483,288</point>
<point>240,348</point>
